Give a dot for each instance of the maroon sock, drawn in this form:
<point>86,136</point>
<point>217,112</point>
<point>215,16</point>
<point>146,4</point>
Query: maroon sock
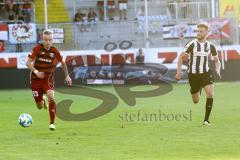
<point>52,111</point>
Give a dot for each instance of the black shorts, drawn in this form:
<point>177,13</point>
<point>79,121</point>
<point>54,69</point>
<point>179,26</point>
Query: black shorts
<point>198,81</point>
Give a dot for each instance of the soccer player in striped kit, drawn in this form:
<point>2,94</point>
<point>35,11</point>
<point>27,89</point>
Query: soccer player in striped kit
<point>42,62</point>
<point>199,74</point>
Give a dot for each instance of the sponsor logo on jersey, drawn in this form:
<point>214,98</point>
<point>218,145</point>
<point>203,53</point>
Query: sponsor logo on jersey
<point>45,60</point>
<point>51,55</point>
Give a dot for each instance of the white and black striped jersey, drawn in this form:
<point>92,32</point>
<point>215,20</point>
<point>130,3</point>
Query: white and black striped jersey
<point>198,55</point>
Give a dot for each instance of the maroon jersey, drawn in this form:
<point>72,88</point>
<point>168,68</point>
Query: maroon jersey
<point>44,60</point>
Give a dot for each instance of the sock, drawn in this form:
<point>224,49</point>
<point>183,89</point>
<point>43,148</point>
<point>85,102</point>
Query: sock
<point>209,104</point>
<point>52,111</point>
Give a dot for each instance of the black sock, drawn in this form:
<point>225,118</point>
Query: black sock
<point>209,104</point>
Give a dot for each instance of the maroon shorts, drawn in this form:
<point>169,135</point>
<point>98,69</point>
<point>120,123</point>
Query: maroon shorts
<point>40,87</point>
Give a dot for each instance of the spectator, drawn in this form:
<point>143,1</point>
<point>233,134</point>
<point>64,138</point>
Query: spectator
<point>27,6</point>
<point>2,48</point>
<point>10,10</point>
<point>92,16</point>
<point>140,12</point>
<point>20,15</point>
<point>118,75</point>
<point>27,17</point>
<point>183,8</point>
<point>140,57</point>
<point>172,8</point>
<point>123,8</point>
<point>128,59</point>
<point>39,36</point>
<point>78,16</point>
<point>84,22</point>
<point>10,6</point>
<point>19,48</point>
<point>111,9</point>
<point>11,15</point>
<point>100,7</point>
<point>3,13</point>
<point>8,2</point>
<point>82,19</point>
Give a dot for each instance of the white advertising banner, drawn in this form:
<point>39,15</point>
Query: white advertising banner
<point>179,31</point>
<point>58,35</point>
<point>22,33</point>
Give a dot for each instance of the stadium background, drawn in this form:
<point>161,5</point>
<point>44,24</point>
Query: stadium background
<point>162,35</point>
<point>161,28</point>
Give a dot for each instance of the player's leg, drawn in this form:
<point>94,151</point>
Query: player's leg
<point>40,100</point>
<point>52,107</point>
<point>40,104</point>
<point>209,90</point>
<point>37,93</point>
<point>111,10</point>
<point>207,81</point>
<point>196,97</point>
<point>195,85</point>
<point>49,90</point>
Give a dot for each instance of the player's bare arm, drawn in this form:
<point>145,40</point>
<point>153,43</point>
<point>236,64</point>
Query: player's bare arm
<point>178,76</point>
<point>29,64</point>
<point>217,65</point>
<point>65,70</point>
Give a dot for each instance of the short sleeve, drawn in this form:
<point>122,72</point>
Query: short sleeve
<point>213,50</point>
<point>188,48</point>
<point>58,55</point>
<point>34,52</point>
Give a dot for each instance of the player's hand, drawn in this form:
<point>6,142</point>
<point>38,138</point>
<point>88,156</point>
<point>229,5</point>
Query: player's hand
<point>219,74</point>
<point>218,70</point>
<point>40,75</point>
<point>68,80</point>
<point>178,76</point>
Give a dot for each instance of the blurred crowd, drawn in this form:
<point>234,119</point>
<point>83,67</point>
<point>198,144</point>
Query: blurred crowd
<point>85,19</point>
<point>93,16</point>
<point>16,10</point>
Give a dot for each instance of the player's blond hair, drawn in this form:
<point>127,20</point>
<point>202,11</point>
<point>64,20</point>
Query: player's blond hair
<point>47,32</point>
<point>203,25</point>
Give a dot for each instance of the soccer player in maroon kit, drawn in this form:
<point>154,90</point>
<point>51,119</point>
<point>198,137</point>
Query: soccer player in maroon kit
<point>42,62</point>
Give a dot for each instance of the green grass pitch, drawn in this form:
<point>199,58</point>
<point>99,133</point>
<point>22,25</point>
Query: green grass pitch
<point>108,137</point>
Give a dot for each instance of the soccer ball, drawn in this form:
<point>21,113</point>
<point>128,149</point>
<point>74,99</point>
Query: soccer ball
<point>25,120</point>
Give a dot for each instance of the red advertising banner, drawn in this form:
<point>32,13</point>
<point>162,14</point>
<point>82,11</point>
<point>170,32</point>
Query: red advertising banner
<point>219,29</point>
<point>3,32</point>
